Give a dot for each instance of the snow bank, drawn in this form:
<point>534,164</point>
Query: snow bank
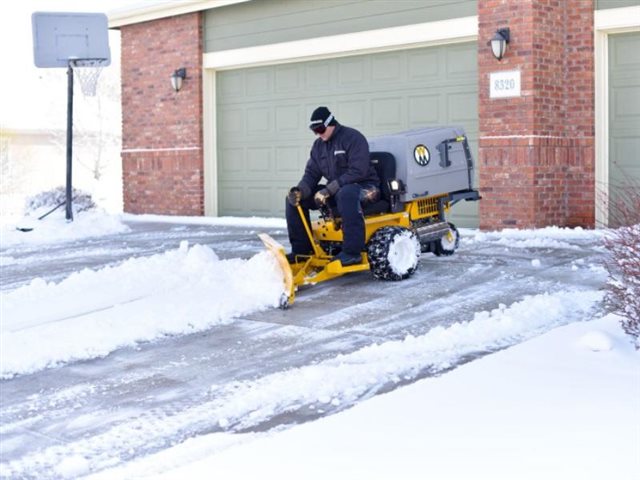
<point>547,408</point>
<point>263,222</point>
<point>548,237</point>
<point>92,313</point>
<point>55,228</point>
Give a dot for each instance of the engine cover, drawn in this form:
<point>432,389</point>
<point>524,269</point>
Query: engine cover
<point>429,161</point>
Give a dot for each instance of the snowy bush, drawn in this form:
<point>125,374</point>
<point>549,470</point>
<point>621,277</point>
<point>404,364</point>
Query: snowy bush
<point>45,201</point>
<point>623,243</point>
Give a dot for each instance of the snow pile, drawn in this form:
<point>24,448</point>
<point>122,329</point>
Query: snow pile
<point>258,222</point>
<point>92,313</point>
<point>55,228</point>
<point>596,341</point>
<point>551,407</point>
<point>548,237</point>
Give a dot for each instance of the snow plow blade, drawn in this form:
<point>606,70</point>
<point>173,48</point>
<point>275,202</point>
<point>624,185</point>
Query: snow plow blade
<point>278,252</point>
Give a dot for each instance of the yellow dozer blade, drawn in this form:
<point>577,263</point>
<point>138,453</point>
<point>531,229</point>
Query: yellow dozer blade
<point>278,252</point>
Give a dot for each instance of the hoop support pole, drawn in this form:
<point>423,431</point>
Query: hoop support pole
<point>69,209</point>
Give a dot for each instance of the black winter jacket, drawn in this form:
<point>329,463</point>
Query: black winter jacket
<point>343,158</point>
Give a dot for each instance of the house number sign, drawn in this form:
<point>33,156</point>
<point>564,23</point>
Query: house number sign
<point>504,84</point>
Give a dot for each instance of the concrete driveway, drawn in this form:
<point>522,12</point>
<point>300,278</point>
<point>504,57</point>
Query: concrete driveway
<point>139,400</point>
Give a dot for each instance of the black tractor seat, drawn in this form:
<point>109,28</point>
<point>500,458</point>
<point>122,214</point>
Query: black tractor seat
<point>385,165</point>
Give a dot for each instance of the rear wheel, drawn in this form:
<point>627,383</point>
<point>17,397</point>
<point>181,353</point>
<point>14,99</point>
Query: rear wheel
<point>393,253</point>
<point>448,243</point>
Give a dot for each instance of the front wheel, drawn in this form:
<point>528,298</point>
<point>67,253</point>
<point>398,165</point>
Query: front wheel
<point>393,253</point>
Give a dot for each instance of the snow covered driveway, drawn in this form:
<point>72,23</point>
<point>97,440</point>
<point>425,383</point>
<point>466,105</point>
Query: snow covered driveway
<point>128,344</point>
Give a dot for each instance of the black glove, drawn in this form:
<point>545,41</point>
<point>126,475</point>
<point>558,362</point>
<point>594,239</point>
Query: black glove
<point>321,197</point>
<point>294,196</point>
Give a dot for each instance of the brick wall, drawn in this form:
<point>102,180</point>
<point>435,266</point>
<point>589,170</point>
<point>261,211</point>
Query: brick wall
<point>536,151</point>
<point>162,129</point>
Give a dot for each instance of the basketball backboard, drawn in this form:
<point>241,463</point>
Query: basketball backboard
<point>59,37</point>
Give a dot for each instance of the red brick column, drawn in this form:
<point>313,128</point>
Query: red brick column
<point>536,151</point>
<point>162,140</point>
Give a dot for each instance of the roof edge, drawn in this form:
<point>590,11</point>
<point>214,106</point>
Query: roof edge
<point>144,12</point>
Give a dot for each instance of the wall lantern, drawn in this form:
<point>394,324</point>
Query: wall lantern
<point>177,77</point>
<point>499,43</point>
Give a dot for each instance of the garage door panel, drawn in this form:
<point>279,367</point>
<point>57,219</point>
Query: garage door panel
<point>230,85</point>
<point>258,121</point>
<point>258,82</point>
<point>232,200</point>
<point>232,122</point>
<point>460,61</point>
<point>388,68</point>
<point>462,107</point>
<point>234,161</point>
<point>259,160</point>
<point>424,110</point>
<point>288,119</point>
<point>388,113</point>
<point>318,77</point>
<point>626,103</point>
<point>351,72</point>
<point>423,65</point>
<point>278,197</point>
<point>287,79</point>
<point>624,53</point>
<point>356,110</point>
<point>624,150</point>
<point>255,200</point>
<point>624,116</point>
<point>377,93</point>
<point>290,161</point>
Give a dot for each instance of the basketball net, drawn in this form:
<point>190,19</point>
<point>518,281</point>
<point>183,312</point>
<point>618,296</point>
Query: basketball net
<point>87,71</point>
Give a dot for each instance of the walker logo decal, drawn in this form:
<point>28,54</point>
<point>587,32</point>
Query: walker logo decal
<point>421,154</point>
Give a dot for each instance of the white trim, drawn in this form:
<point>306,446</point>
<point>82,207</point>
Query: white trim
<point>606,22</point>
<point>144,12</point>
<point>394,38</point>
<point>601,141</point>
<point>209,142</point>
<point>617,20</point>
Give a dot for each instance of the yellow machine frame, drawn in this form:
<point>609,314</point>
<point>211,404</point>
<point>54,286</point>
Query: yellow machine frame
<point>318,267</point>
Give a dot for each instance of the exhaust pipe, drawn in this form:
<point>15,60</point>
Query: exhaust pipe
<point>433,231</point>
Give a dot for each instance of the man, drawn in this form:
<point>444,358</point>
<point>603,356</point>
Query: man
<point>341,155</point>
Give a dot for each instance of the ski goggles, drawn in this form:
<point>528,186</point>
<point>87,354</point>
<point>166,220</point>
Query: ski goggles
<point>319,127</point>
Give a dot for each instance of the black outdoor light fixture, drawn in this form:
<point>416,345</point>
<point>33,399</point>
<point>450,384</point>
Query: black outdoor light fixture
<point>499,42</point>
<point>177,77</point>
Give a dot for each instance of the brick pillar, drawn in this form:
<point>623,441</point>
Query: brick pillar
<point>162,140</point>
<point>536,151</point>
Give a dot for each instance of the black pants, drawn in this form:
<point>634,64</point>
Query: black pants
<point>346,204</point>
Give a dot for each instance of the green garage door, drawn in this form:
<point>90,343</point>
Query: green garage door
<point>624,119</point>
<point>262,114</point>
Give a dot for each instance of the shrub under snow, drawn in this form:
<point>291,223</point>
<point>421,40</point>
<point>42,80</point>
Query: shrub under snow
<point>623,286</point>
<point>45,201</point>
<point>623,243</point>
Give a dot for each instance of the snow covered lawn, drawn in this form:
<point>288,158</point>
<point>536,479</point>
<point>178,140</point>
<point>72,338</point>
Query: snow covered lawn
<point>564,405</point>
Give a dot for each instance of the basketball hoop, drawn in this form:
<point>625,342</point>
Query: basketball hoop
<point>78,42</point>
<point>88,71</point>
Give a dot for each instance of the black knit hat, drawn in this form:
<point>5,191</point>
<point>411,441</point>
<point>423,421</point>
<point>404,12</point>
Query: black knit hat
<point>321,116</point>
